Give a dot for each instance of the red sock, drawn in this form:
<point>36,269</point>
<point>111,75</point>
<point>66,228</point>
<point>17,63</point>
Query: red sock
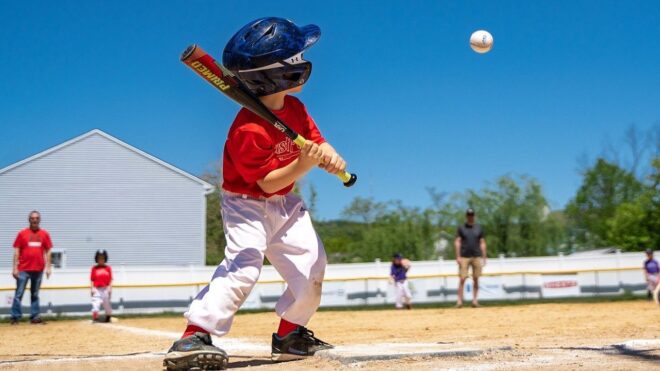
<point>191,330</point>
<point>95,315</point>
<point>286,328</point>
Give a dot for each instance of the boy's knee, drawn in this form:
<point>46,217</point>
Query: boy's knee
<point>314,290</point>
<point>318,268</point>
<point>308,291</point>
<point>322,261</point>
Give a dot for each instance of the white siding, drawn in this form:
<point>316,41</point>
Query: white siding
<point>97,193</point>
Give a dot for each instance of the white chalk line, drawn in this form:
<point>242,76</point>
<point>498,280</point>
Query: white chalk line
<point>230,345</point>
<point>82,358</point>
<point>145,332</point>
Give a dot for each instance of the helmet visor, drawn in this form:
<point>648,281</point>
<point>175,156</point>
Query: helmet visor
<point>277,77</point>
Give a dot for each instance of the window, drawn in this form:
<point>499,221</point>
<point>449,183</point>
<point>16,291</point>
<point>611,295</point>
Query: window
<point>58,258</point>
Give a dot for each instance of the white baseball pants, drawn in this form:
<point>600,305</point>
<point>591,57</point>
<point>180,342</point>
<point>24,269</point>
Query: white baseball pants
<point>402,294</point>
<point>279,228</point>
<point>651,281</point>
<point>101,296</point>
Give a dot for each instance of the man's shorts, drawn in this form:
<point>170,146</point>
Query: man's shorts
<point>466,263</point>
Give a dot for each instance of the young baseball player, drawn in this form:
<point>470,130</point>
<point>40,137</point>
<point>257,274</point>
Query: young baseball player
<point>261,216</point>
<point>101,286</point>
<point>399,276</point>
<point>651,271</point>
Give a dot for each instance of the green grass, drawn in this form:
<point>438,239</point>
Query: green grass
<point>486,303</point>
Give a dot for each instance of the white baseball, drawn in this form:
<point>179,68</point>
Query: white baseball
<point>481,41</point>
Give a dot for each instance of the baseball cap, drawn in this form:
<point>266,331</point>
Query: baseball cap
<point>397,256</point>
<point>649,251</point>
<point>469,211</point>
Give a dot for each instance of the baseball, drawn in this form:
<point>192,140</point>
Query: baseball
<point>481,41</point>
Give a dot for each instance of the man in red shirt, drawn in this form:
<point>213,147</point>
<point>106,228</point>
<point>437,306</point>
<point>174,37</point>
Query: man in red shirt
<point>31,256</point>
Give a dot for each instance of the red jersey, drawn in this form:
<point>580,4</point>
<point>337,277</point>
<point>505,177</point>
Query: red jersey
<point>32,245</point>
<point>101,275</point>
<point>254,147</point>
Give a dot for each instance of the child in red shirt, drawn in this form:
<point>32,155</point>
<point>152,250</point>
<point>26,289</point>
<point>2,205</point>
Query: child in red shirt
<point>261,217</point>
<point>101,286</point>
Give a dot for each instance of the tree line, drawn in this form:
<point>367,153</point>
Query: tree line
<point>617,204</point>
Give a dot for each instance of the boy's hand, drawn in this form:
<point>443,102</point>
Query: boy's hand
<point>310,155</point>
<point>333,163</point>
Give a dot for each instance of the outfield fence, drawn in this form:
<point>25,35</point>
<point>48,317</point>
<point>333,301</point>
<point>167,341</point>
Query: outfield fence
<point>157,289</point>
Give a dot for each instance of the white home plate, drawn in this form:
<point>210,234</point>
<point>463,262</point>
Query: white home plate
<point>639,344</point>
<point>385,351</point>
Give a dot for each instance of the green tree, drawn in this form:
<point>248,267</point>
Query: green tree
<point>339,238</point>
<point>513,211</point>
<point>215,235</point>
<point>604,187</point>
<point>516,217</point>
<point>635,225</point>
<point>627,228</point>
<point>652,200</point>
<point>365,210</point>
<point>379,229</point>
<point>312,200</point>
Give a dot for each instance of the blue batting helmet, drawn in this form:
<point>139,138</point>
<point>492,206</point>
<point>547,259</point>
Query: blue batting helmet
<point>266,54</point>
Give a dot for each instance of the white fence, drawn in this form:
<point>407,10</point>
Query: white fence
<point>171,288</point>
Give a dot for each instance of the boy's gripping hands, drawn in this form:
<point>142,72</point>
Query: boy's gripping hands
<point>311,155</point>
<point>322,155</point>
<point>331,162</point>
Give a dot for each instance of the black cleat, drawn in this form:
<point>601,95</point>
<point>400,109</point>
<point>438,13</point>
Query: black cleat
<point>37,321</point>
<point>195,352</point>
<point>14,321</point>
<point>298,344</point>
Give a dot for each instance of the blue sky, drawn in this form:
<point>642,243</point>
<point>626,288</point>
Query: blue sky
<point>395,86</point>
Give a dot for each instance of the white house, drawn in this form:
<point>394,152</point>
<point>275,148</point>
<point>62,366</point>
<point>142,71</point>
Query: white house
<point>97,192</point>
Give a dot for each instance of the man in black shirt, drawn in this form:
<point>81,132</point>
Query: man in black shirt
<point>470,252</point>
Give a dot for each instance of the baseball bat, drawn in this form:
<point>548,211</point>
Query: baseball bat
<point>225,81</point>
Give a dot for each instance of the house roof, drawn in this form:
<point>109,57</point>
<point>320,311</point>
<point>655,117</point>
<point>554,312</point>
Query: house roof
<point>207,186</point>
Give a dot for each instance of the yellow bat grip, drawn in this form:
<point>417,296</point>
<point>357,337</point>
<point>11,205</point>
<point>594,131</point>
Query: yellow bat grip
<point>347,178</point>
<point>299,141</point>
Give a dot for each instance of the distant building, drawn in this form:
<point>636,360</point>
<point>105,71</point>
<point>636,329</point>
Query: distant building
<point>96,191</point>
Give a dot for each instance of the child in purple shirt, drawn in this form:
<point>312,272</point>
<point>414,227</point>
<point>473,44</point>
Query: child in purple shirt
<point>399,276</point>
<point>651,270</point>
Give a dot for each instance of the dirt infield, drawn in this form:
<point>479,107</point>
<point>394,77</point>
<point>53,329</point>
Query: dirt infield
<point>546,336</point>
